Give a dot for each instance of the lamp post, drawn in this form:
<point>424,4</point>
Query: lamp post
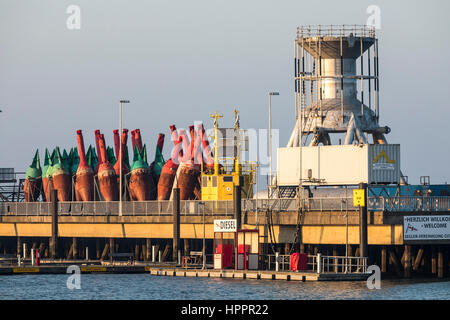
<point>270,137</point>
<point>121,157</point>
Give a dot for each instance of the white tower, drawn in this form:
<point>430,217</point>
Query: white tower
<point>337,85</point>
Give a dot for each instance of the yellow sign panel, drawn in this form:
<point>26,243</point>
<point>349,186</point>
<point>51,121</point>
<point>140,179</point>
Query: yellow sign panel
<point>25,269</point>
<point>93,269</point>
<point>359,198</point>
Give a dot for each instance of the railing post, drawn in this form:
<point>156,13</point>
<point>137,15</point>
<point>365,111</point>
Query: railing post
<point>277,263</point>
<point>319,263</point>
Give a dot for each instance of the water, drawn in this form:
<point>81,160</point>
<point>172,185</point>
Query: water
<point>145,286</point>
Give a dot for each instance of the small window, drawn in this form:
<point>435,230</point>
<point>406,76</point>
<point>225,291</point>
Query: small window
<point>227,179</point>
<point>214,181</point>
<point>204,182</point>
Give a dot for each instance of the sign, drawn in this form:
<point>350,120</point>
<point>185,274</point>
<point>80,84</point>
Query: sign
<point>359,198</point>
<point>426,228</point>
<point>226,225</point>
<point>388,165</point>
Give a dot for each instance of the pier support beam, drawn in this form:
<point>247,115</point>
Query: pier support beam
<point>393,260</point>
<point>54,211</point>
<point>74,248</point>
<point>418,260</point>
<point>111,248</point>
<point>407,265</point>
<point>335,254</point>
<point>105,251</point>
<point>384,259</point>
<point>176,223</point>
<point>136,251</point>
<point>19,247</point>
<point>433,260</point>
<point>440,262</point>
<point>148,249</point>
<point>363,248</point>
<point>97,249</point>
<point>237,206</point>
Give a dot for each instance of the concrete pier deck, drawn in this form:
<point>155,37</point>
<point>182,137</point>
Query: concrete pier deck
<point>257,274</point>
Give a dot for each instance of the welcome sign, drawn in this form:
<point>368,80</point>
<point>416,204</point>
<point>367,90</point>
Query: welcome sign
<point>426,228</point>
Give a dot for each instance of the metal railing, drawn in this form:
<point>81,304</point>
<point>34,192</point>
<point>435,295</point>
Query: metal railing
<point>225,207</point>
<point>320,263</point>
<point>284,262</point>
<point>336,31</point>
<point>129,208</point>
<point>337,264</point>
<point>409,204</point>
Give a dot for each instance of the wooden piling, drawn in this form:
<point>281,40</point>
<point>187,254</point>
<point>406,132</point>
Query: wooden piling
<point>186,247</point>
<point>165,253</point>
<point>384,259</point>
<point>19,246</point>
<point>136,251</point>
<point>105,251</point>
<point>70,253</point>
<point>433,260</point>
<point>74,248</point>
<point>97,249</point>
<point>148,251</point>
<point>395,262</point>
<point>407,265</point>
<point>41,248</point>
<point>418,260</point>
<point>335,254</point>
<point>111,248</point>
<point>440,262</point>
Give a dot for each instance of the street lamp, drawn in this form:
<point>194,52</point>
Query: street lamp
<point>270,137</point>
<point>121,157</point>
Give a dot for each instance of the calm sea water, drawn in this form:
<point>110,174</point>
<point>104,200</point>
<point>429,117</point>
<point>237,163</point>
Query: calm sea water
<point>145,286</point>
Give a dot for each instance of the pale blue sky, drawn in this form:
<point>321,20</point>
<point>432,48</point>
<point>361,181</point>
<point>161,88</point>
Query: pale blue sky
<point>178,61</point>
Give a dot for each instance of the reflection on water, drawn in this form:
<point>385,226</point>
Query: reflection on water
<point>144,286</point>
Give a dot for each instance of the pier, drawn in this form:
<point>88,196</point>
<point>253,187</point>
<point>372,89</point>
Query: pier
<point>95,230</point>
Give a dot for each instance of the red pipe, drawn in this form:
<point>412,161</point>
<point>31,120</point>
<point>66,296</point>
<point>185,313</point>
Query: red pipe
<point>83,161</point>
<point>192,142</point>
<point>198,154</point>
<point>207,148</point>
<point>138,138</point>
<point>121,159</point>
<point>102,145</point>
<point>116,142</point>
<point>133,140</point>
<point>184,138</point>
<point>97,138</point>
<point>160,143</point>
<point>176,140</point>
<point>175,152</point>
<point>124,141</point>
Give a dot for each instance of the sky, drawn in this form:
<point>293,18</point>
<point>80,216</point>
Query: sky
<point>179,61</point>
